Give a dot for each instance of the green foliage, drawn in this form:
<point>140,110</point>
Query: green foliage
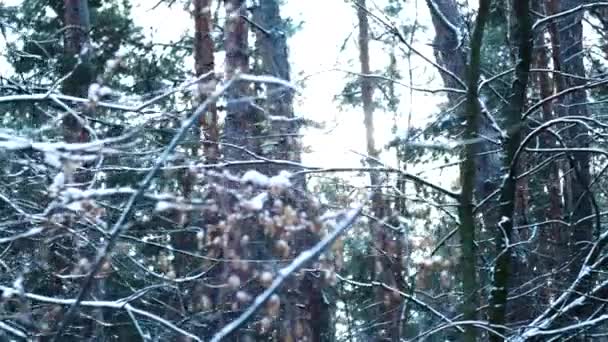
<point>38,52</point>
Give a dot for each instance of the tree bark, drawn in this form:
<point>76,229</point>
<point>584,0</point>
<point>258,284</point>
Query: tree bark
<point>241,118</point>
<point>602,15</point>
<point>546,261</point>
<point>468,170</point>
<point>568,46</point>
<point>450,53</point>
<point>76,65</point>
<point>203,63</point>
<point>281,138</point>
<point>481,164</point>
<point>76,61</point>
<point>501,275</point>
<point>271,47</point>
<point>388,256</point>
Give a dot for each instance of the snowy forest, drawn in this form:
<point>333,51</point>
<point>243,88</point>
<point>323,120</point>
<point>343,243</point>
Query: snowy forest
<point>303,170</point>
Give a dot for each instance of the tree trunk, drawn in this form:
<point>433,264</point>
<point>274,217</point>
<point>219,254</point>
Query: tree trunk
<point>76,65</point>
<point>388,245</point>
<point>504,232</point>
<point>568,42</point>
<point>76,61</point>
<point>203,63</point>
<point>450,54</point>
<point>481,166</point>
<point>602,15</point>
<point>282,143</point>
<point>302,312</point>
<point>545,262</point>
<point>185,239</point>
<point>468,171</point>
<point>241,118</point>
<point>271,47</point>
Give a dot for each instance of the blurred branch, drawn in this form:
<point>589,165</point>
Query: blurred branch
<point>302,259</point>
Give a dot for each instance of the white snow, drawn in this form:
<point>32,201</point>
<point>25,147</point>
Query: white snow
<point>52,158</point>
<point>163,206</point>
<point>256,178</point>
<point>281,180</point>
<point>257,202</point>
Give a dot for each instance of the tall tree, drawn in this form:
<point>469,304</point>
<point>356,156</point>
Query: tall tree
<point>480,165</point>
<point>204,62</point>
<point>76,62</point>
<point>468,170</point>
<point>241,122</point>
<point>279,135</point>
<point>522,36</point>
<point>271,33</point>
<point>450,54</point>
<point>387,244</point>
<point>579,199</point>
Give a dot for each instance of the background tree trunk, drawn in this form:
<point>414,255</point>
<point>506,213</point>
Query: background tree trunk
<point>568,46</point>
<point>203,63</point>
<point>387,245</point>
<point>481,164</point>
<point>240,123</point>
<point>76,61</point>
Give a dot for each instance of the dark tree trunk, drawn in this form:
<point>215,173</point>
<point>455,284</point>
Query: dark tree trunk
<point>502,278</point>
<point>271,47</point>
<point>602,15</point>
<point>76,65</point>
<point>450,54</point>
<point>529,265</point>
<point>482,165</point>
<point>76,61</point>
<point>569,44</point>
<point>525,308</point>
<point>283,144</point>
<point>302,313</point>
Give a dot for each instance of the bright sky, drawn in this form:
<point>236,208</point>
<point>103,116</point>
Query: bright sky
<point>315,51</point>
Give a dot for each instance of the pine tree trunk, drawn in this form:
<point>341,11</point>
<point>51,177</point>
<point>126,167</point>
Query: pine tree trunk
<point>450,54</point>
<point>240,124</point>
<point>203,63</point>
<point>76,65</point>
<point>271,46</point>
<point>282,144</point>
<point>602,15</point>
<point>76,61</point>
<point>545,261</point>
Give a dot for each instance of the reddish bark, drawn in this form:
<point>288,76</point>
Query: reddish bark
<point>240,124</point>
<point>77,25</point>
<point>203,63</point>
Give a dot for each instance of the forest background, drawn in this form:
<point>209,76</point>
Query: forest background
<point>303,171</point>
